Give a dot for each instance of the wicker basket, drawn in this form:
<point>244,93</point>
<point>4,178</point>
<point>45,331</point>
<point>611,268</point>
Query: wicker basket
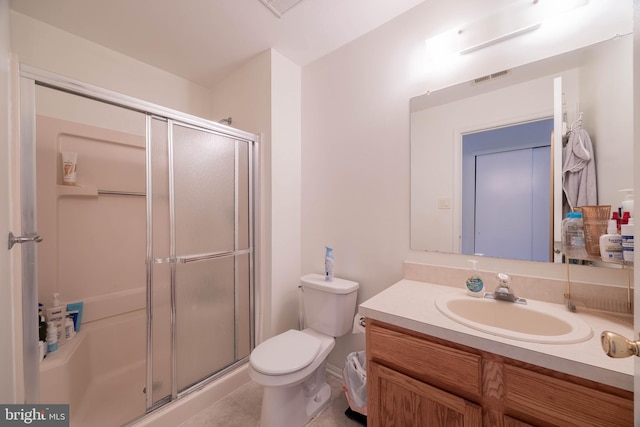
<point>595,220</point>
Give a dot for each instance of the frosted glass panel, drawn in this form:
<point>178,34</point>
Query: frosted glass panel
<point>204,318</point>
<point>161,273</point>
<point>243,306</point>
<point>243,192</point>
<point>204,182</point>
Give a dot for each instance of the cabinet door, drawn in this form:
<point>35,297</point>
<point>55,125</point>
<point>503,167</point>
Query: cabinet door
<point>542,398</point>
<point>512,422</point>
<point>401,401</point>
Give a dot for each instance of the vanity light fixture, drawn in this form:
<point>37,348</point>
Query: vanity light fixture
<point>278,7</point>
<point>520,17</point>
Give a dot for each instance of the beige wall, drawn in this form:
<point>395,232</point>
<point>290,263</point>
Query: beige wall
<point>10,351</point>
<point>356,155</point>
<point>285,191</point>
<point>48,48</point>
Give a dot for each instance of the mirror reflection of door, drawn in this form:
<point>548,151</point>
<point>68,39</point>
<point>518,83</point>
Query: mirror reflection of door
<point>506,192</point>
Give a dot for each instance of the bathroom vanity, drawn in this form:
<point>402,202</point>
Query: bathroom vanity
<point>426,369</point>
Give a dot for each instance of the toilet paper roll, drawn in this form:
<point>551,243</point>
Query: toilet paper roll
<point>358,324</point>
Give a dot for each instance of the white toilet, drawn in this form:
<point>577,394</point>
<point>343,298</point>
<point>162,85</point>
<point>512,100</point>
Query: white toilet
<point>292,366</point>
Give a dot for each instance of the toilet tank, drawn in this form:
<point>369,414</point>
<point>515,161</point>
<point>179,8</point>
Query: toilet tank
<point>329,307</point>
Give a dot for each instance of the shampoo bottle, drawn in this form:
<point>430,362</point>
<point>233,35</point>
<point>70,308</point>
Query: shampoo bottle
<point>627,241</point>
<point>611,243</point>
<point>57,314</point>
<point>474,283</point>
<point>52,337</point>
<point>328,265</point>
<point>69,331</point>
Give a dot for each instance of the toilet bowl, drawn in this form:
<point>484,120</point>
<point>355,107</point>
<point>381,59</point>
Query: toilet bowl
<point>292,366</point>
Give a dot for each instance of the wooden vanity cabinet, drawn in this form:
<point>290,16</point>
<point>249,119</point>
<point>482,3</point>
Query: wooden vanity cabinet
<point>418,380</point>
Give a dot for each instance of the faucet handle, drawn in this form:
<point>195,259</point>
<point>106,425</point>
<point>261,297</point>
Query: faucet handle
<point>503,279</point>
<point>503,285</point>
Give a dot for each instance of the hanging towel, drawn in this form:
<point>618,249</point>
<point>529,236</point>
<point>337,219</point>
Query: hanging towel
<point>579,170</point>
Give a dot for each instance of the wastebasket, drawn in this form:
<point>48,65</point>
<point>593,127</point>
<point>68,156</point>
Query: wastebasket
<point>354,384</point>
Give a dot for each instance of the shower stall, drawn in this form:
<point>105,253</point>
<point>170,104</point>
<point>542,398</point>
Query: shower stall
<point>156,240</point>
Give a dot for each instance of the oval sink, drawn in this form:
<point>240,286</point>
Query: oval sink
<point>534,322</point>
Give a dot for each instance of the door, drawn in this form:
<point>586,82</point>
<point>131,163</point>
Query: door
<point>512,204</point>
<point>199,239</point>
<point>506,197</point>
<point>201,252</point>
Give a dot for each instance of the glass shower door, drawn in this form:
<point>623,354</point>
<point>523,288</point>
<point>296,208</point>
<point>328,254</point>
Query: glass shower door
<point>202,227</point>
<point>204,203</point>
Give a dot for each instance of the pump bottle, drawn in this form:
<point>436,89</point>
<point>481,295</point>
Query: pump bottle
<point>474,283</point>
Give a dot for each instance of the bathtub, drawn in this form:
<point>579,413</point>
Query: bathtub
<point>101,373</point>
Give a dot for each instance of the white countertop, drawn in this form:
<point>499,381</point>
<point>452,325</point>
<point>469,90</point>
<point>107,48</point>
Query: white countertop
<point>411,305</point>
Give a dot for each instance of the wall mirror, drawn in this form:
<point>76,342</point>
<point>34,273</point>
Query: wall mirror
<point>596,84</point>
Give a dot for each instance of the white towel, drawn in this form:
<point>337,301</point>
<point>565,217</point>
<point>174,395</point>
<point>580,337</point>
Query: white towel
<point>579,171</point>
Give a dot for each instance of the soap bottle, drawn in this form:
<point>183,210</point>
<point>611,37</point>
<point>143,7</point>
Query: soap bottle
<point>627,241</point>
<point>474,283</point>
<point>611,243</point>
<point>57,314</point>
<point>328,265</point>
<point>69,330</point>
<point>52,337</point>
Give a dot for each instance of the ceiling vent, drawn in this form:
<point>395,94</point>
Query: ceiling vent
<point>278,7</point>
<point>490,77</point>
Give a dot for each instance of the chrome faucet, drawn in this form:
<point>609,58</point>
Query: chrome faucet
<point>503,292</point>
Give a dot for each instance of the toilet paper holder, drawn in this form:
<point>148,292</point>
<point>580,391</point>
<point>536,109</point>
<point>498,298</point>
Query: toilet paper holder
<point>359,324</point>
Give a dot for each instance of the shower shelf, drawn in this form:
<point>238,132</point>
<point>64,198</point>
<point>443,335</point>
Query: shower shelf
<point>89,191</point>
<point>77,190</point>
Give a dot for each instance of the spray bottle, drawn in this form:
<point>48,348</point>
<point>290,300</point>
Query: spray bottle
<point>328,265</point>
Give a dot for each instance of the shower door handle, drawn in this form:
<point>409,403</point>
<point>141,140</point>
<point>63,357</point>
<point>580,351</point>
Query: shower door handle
<point>23,239</point>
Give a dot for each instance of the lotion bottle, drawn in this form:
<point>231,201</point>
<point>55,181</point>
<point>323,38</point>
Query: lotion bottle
<point>627,241</point>
<point>57,314</point>
<point>474,283</point>
<point>52,337</point>
<point>69,331</point>
<point>611,243</point>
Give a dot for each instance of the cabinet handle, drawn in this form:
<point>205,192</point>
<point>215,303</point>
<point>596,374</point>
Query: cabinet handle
<point>615,345</point>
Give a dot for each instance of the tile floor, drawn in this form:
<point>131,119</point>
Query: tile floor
<point>242,409</point>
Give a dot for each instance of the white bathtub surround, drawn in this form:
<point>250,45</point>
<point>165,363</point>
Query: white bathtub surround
<point>411,304</point>
<point>100,373</point>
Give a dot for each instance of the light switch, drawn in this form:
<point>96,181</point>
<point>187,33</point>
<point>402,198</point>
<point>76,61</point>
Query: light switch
<point>444,203</point>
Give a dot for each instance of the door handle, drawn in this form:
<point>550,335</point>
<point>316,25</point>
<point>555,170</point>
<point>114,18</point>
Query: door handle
<point>23,239</point>
<point>615,345</point>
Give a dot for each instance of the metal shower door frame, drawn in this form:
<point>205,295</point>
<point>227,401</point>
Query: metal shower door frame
<point>30,77</point>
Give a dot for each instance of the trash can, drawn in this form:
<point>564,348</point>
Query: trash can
<point>354,384</point>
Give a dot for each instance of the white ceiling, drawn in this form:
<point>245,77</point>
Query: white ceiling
<point>203,40</point>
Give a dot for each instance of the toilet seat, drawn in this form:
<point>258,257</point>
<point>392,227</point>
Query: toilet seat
<point>285,353</point>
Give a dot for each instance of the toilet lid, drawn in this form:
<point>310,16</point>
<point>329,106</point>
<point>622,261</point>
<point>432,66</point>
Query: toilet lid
<point>285,353</point>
